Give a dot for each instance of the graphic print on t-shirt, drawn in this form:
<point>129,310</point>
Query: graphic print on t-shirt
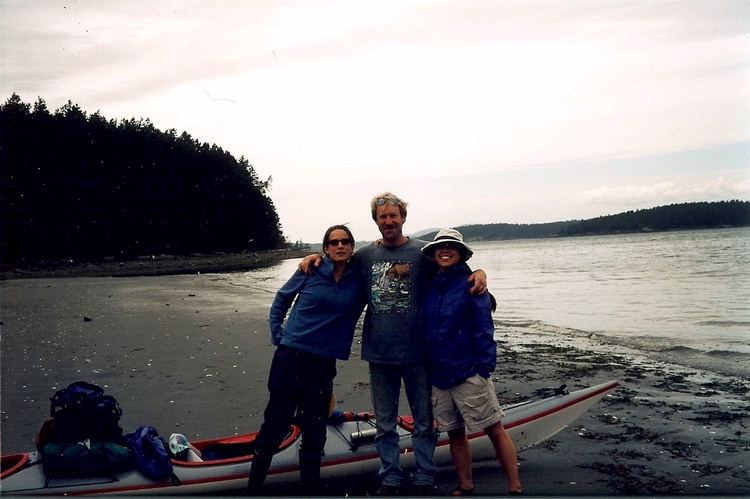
<point>390,288</point>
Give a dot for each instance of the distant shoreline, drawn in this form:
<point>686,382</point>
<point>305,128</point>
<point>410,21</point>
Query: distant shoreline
<point>198,263</point>
<point>158,265</point>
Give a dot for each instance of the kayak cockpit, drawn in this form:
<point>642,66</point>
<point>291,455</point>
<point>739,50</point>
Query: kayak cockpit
<point>12,463</point>
<point>231,449</point>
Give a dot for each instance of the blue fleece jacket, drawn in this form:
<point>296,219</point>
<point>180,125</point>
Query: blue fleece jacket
<point>324,315</point>
<point>460,330</point>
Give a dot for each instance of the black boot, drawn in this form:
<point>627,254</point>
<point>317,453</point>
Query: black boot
<point>258,471</point>
<point>309,472</point>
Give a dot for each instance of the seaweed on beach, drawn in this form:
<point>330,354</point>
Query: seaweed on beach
<point>680,407</point>
<point>675,383</point>
<point>643,432</point>
<point>735,445</point>
<point>636,479</point>
<point>707,393</point>
<point>624,395</point>
<point>632,431</point>
<point>708,469</point>
<point>591,435</point>
<point>634,373</point>
<point>679,449</point>
<point>607,418</point>
<point>714,417</point>
<point>732,386</point>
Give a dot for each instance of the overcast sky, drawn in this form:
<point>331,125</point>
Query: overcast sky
<point>472,111</point>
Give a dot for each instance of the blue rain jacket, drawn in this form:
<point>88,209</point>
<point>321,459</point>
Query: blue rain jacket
<point>459,327</point>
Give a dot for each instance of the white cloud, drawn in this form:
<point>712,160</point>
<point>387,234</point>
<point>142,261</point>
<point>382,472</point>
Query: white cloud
<point>672,191</point>
<point>357,97</point>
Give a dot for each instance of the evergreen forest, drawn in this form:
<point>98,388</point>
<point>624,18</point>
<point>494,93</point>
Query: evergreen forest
<point>78,186</point>
<point>685,216</point>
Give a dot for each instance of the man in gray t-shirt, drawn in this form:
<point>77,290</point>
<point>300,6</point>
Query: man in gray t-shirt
<point>394,343</point>
<point>395,277</point>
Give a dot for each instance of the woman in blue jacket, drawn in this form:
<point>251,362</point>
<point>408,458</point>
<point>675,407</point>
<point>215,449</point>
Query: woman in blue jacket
<point>463,354</point>
<point>319,330</point>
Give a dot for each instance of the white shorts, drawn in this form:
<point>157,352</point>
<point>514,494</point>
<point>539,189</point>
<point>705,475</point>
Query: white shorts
<point>472,404</point>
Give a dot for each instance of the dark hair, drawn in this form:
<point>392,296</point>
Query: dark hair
<point>331,229</point>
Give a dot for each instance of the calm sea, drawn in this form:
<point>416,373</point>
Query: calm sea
<point>677,297</point>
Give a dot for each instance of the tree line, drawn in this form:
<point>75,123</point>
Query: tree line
<point>685,216</point>
<point>83,187</point>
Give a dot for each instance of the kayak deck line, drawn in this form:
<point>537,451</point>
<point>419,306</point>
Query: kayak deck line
<point>606,387</point>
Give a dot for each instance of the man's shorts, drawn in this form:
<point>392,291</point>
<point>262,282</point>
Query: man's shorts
<point>472,404</point>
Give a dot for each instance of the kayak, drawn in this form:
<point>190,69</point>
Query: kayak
<point>350,451</point>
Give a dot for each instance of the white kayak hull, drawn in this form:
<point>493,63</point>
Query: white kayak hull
<point>349,451</point>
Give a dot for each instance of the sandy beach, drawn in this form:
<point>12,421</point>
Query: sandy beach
<point>190,354</point>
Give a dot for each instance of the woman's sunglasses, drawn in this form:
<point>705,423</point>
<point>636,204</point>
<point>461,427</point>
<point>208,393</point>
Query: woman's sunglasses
<point>336,242</point>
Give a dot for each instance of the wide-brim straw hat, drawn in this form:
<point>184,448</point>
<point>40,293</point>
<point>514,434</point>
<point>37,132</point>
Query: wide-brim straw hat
<point>447,236</point>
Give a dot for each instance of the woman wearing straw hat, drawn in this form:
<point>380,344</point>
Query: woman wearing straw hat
<point>463,354</point>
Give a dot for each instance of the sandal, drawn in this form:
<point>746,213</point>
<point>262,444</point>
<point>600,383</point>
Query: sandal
<point>458,491</point>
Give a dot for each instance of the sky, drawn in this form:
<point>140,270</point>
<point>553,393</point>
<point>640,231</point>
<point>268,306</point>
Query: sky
<point>474,112</point>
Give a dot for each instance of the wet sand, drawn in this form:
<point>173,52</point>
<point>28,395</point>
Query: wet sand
<point>190,354</point>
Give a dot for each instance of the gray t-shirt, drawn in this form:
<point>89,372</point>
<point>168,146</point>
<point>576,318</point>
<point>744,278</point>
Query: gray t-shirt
<point>396,278</point>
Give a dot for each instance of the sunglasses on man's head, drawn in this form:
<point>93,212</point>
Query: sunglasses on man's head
<point>382,201</point>
<point>335,242</point>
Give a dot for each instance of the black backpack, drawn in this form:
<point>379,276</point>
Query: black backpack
<point>83,411</point>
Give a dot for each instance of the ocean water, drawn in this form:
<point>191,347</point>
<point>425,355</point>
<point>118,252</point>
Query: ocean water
<point>680,297</point>
<point>677,297</point>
